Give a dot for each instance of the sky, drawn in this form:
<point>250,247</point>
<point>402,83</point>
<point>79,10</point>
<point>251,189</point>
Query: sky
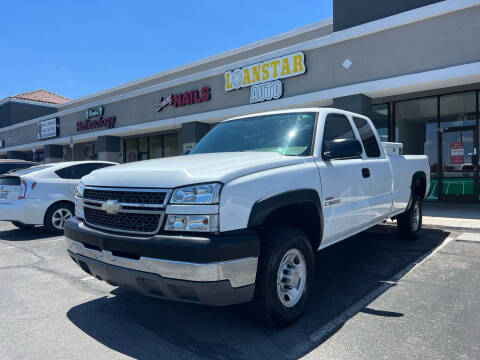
<point>77,48</point>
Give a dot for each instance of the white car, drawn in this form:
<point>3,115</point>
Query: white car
<point>43,195</point>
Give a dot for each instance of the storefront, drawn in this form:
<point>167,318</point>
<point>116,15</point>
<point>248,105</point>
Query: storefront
<point>151,147</point>
<point>415,73</point>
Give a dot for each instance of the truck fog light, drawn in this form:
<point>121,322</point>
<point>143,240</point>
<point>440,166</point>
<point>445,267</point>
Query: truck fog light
<point>208,223</point>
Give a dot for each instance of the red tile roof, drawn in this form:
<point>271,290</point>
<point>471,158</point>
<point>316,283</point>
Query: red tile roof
<point>42,96</point>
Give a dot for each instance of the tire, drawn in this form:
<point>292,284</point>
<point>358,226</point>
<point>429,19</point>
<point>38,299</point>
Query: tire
<point>282,248</point>
<point>21,225</point>
<point>409,223</point>
<point>56,215</point>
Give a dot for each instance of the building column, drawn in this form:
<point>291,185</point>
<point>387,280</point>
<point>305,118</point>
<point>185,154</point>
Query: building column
<point>17,155</point>
<point>53,153</point>
<point>108,148</point>
<point>358,103</point>
<point>192,133</point>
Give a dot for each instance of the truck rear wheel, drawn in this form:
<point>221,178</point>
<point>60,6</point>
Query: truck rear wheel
<point>284,277</point>
<point>409,223</point>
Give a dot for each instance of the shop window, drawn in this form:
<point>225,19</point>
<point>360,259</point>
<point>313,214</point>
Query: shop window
<point>416,128</point>
<point>458,110</point>
<point>131,150</point>
<point>155,147</point>
<point>170,143</point>
<point>458,143</point>
<point>381,119</point>
<point>143,149</point>
<point>151,148</point>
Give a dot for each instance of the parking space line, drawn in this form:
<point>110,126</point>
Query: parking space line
<point>333,324</point>
<point>87,278</point>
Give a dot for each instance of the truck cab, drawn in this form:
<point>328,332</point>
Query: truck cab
<point>240,218</point>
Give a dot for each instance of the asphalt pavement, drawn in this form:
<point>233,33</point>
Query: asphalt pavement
<point>375,297</point>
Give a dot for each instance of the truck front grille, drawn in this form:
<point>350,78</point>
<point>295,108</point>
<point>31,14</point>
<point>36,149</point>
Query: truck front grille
<point>136,211</point>
<point>127,222</point>
<point>126,196</point>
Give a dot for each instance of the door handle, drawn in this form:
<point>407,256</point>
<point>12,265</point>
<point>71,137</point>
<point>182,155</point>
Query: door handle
<point>366,172</point>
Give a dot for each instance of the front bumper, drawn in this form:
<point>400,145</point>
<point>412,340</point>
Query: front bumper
<point>214,270</point>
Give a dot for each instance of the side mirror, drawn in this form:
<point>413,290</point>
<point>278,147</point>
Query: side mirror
<point>342,149</point>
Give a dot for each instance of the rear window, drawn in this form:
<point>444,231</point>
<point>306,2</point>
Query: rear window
<point>80,170</point>
<point>31,169</point>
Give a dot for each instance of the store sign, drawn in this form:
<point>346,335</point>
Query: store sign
<point>183,99</point>
<point>264,78</point>
<point>268,91</point>
<point>101,122</point>
<point>48,128</point>
<point>95,111</point>
<point>457,153</point>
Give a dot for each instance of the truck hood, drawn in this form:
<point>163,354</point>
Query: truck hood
<point>189,169</point>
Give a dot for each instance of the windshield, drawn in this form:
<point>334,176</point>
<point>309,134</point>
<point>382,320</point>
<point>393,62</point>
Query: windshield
<point>30,170</point>
<point>287,134</point>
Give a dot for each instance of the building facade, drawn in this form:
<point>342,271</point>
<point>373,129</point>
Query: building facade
<point>412,66</point>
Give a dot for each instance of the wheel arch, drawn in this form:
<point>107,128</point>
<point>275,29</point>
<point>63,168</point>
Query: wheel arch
<point>56,202</point>
<point>300,208</point>
<point>418,187</point>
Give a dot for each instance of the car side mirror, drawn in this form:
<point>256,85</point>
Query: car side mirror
<point>342,149</point>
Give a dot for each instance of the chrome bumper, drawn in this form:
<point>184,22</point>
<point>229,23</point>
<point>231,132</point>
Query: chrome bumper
<point>240,272</point>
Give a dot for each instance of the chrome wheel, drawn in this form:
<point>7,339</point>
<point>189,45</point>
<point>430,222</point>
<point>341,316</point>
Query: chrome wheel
<point>291,278</point>
<point>415,222</point>
<point>59,217</point>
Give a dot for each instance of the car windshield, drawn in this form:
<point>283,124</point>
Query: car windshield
<point>30,170</point>
<point>287,134</point>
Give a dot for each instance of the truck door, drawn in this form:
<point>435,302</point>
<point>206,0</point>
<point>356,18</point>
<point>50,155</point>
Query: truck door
<point>377,167</point>
<point>344,186</point>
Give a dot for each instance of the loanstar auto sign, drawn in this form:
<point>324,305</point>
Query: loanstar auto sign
<point>264,78</point>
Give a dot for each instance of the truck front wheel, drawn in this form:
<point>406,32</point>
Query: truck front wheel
<point>409,223</point>
<point>285,276</point>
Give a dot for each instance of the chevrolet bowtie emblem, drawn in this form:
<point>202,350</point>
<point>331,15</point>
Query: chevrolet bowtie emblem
<point>111,207</point>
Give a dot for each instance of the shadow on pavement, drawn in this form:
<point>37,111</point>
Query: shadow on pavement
<point>147,328</point>
<point>33,233</point>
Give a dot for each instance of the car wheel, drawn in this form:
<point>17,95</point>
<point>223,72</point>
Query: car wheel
<point>409,223</point>
<point>21,225</point>
<point>56,216</point>
<point>284,277</point>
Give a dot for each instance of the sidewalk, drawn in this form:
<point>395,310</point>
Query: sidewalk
<point>451,215</point>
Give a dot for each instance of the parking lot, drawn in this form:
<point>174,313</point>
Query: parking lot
<point>375,297</point>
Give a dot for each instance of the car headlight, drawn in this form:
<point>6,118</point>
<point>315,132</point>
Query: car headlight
<point>80,190</point>
<point>197,194</point>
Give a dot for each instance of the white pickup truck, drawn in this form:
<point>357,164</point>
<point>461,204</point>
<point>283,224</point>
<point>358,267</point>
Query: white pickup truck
<point>240,217</point>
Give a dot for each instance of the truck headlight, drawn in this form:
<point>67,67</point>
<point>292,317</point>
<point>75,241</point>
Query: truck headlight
<point>200,223</point>
<point>197,194</point>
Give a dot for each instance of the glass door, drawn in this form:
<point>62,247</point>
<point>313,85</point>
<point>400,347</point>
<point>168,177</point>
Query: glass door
<point>459,159</point>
